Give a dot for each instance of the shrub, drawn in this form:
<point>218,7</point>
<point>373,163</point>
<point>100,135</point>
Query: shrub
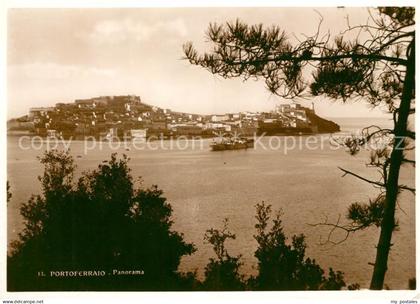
<point>102,222</point>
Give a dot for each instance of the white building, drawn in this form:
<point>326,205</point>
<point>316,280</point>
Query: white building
<point>138,133</point>
<point>219,118</point>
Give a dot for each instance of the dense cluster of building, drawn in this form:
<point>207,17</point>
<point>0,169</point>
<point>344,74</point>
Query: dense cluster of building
<point>129,117</point>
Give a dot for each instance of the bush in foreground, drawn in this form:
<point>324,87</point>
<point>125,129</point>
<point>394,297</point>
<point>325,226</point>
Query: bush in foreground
<point>101,223</point>
<point>282,265</point>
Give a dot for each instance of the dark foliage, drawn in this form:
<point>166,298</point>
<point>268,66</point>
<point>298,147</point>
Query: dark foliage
<point>412,284</point>
<point>353,287</point>
<point>367,214</point>
<point>222,273</point>
<point>9,194</point>
<point>282,265</point>
<point>101,223</point>
<point>401,15</point>
<point>345,68</point>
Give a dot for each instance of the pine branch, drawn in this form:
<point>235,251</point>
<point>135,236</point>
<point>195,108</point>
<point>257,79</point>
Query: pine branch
<point>360,177</point>
<point>413,190</point>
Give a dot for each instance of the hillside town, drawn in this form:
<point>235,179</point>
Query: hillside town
<point>128,117</point>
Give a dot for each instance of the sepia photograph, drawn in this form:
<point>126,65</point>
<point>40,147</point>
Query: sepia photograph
<point>210,149</point>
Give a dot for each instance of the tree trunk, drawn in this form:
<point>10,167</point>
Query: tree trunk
<point>400,130</point>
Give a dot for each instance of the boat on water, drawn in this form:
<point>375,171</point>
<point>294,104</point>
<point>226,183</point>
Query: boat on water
<point>232,144</point>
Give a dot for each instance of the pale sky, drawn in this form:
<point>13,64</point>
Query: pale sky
<point>58,55</point>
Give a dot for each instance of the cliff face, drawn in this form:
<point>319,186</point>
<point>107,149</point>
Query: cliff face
<point>324,125</point>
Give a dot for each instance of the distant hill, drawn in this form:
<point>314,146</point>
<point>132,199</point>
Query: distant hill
<point>324,125</point>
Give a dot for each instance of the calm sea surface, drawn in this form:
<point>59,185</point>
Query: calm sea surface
<point>205,187</point>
